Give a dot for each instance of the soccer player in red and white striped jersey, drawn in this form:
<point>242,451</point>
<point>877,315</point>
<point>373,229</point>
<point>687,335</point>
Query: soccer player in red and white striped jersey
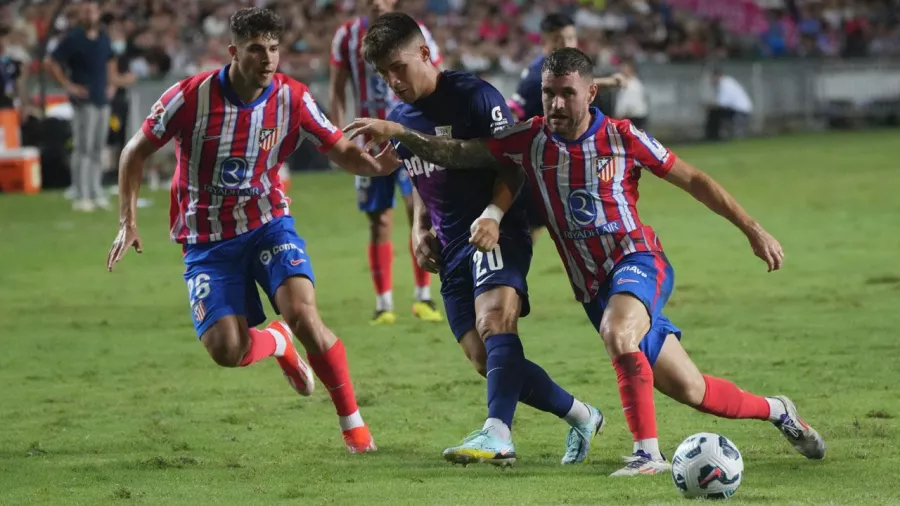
<point>233,128</point>
<point>373,98</point>
<point>584,168</point>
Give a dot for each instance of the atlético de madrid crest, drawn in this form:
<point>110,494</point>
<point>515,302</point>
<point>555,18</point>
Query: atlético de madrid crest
<point>606,170</point>
<point>267,138</point>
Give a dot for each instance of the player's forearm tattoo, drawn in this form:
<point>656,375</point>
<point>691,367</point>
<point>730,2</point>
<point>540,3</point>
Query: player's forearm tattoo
<point>449,153</point>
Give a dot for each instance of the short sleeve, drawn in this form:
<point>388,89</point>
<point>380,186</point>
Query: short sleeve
<point>646,150</point>
<point>165,119</point>
<point>436,57</point>
<point>339,46</point>
<point>489,113</point>
<point>63,51</point>
<point>511,144</point>
<point>314,126</point>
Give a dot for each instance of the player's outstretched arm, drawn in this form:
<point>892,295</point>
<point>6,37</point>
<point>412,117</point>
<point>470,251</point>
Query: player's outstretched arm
<point>131,172</point>
<point>351,158</point>
<point>709,192</point>
<point>444,151</point>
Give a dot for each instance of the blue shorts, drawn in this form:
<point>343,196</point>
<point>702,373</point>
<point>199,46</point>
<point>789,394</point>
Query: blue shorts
<point>648,277</point>
<point>476,272</point>
<point>377,193</point>
<point>222,276</point>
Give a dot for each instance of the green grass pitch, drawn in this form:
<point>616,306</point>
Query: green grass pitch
<point>108,398</point>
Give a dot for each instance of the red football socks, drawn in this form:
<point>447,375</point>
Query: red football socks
<point>422,277</point>
<point>381,257</point>
<point>262,345</point>
<point>635,378</point>
<point>332,369</point>
<point>723,398</point>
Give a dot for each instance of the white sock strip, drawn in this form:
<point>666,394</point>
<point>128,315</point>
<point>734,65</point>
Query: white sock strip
<point>580,414</point>
<point>497,428</point>
<point>351,421</point>
<point>651,446</point>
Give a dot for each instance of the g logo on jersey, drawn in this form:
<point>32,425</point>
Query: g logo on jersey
<point>234,172</point>
<point>582,207</point>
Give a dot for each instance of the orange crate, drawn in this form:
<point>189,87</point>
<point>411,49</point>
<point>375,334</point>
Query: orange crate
<point>20,170</point>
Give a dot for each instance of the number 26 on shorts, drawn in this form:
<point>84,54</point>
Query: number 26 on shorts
<point>198,287</point>
<point>485,263</point>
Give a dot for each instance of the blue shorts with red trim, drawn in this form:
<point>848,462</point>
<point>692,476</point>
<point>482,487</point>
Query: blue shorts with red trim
<point>649,278</point>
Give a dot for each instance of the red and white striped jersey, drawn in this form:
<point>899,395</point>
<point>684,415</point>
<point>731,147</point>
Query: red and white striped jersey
<point>372,96</point>
<point>228,153</point>
<point>588,191</point>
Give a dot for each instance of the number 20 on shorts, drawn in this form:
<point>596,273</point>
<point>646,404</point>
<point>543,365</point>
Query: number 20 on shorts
<point>487,262</point>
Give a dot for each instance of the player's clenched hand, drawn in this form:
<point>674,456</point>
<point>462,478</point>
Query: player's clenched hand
<point>128,236</point>
<point>427,250</point>
<point>485,234</point>
<point>378,130</point>
<point>767,248</point>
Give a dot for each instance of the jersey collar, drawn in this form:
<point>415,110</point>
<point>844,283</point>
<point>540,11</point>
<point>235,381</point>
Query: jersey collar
<point>597,122</point>
<point>232,97</point>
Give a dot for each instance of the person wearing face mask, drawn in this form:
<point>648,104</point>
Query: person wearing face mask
<point>121,100</point>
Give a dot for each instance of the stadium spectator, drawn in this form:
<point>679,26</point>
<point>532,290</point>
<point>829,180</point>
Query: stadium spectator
<point>730,108</point>
<point>631,100</point>
<point>87,54</point>
<point>503,35</point>
<point>12,89</point>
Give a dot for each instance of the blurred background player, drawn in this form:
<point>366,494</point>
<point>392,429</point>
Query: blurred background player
<point>557,31</point>
<point>235,126</point>
<point>484,292</point>
<point>375,196</point>
<point>84,64</point>
<point>578,162</point>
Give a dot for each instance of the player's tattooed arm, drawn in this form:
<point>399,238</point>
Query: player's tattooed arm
<point>449,153</point>
<point>446,152</point>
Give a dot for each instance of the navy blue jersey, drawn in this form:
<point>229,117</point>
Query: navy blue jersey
<point>462,107</point>
<point>528,94</point>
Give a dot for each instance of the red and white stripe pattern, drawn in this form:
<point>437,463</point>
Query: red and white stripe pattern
<point>228,155</point>
<point>589,191</point>
<point>372,97</point>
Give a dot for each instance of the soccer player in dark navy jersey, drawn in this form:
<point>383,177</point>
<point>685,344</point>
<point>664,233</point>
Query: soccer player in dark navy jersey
<point>484,290</point>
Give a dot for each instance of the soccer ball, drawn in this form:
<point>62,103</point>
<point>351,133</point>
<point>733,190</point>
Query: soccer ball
<point>707,465</point>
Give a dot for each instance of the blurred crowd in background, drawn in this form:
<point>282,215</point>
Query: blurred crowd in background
<point>181,37</point>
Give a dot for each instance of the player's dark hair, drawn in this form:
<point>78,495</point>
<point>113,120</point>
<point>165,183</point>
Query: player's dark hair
<point>388,33</point>
<point>253,22</point>
<point>567,60</point>
<point>555,22</point>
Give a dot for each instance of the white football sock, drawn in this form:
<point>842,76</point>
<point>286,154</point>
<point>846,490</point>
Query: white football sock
<point>497,428</point>
<point>384,301</point>
<point>422,293</point>
<point>580,414</point>
<point>352,421</point>
<point>651,446</point>
<point>776,409</point>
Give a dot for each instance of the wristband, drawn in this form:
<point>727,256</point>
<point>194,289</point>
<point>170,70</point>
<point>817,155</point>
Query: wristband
<point>492,212</point>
